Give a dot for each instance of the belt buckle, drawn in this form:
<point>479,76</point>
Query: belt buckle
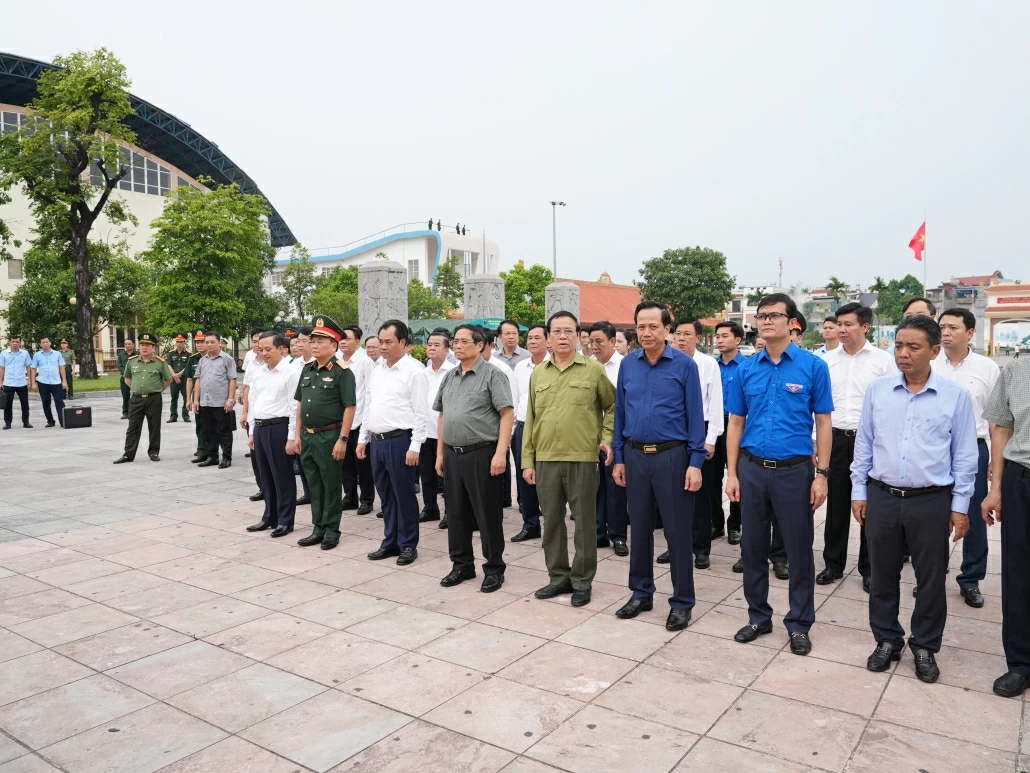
<point>897,492</point>
<point>147,395</point>
<point>310,431</point>
<point>770,464</point>
<point>458,449</point>
<point>650,448</point>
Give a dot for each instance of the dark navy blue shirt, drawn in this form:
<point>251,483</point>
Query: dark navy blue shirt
<point>728,372</point>
<point>659,403</point>
<point>779,401</point>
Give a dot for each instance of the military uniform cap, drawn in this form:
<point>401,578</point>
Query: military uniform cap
<point>180,337</point>
<point>147,338</point>
<point>290,332</point>
<point>324,326</point>
<point>199,335</point>
<point>64,340</point>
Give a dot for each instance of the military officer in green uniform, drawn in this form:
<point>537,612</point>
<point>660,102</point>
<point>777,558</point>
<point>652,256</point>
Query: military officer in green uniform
<point>69,361</point>
<point>325,411</point>
<point>146,375</point>
<point>191,383</point>
<point>178,358</point>
<point>123,360</point>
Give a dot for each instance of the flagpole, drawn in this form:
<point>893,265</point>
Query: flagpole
<point>926,290</point>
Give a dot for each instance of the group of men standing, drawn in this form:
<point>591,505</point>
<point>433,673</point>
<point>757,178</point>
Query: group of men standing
<point>48,372</point>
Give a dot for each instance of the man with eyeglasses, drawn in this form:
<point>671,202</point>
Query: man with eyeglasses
<point>771,407</point>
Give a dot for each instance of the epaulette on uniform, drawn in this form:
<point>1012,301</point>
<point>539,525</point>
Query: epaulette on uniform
<point>159,359</point>
<point>134,357</point>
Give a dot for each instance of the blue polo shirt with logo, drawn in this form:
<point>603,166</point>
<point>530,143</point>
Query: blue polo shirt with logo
<point>779,401</point>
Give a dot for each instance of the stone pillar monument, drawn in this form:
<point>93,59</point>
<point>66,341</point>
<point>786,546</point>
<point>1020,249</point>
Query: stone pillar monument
<point>484,296</point>
<point>382,294</point>
<point>561,296</point>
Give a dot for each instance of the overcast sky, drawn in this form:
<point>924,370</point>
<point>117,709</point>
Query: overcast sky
<point>816,131</point>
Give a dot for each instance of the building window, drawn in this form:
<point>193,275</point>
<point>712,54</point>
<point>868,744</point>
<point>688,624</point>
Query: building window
<point>141,175</point>
<point>277,277</point>
<point>9,122</point>
<point>412,270</point>
<point>14,269</point>
<point>736,307</point>
<point>326,270</point>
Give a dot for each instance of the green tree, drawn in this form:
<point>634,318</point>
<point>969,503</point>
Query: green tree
<point>298,279</point>
<point>449,283</point>
<point>524,291</point>
<point>341,305</point>
<point>689,280</point>
<point>422,304</point>
<point>837,288</point>
<point>209,249</point>
<point>755,296</point>
<point>892,297</point>
<point>877,285</point>
<point>72,138</point>
<point>340,279</point>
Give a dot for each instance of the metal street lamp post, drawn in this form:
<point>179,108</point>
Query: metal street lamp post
<point>554,235</point>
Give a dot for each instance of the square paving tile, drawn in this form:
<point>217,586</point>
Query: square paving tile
<point>80,571</point>
<point>630,639</point>
<point>402,587</point>
<point>598,739</point>
<point>235,755</point>
<point>30,763</point>
<point>466,601</point>
<point>570,671</point>
<point>710,755</point>
<point>348,572</point>
<point>342,610</point>
<point>296,560</point>
<point>75,624</point>
<point>482,647</point>
<point>36,672</point>
<point>841,644</point>
<point>44,559</point>
<point>724,621</point>
<point>23,608</point>
<point>194,565</point>
<point>245,697</point>
<point>412,683</point>
<point>810,735</point>
<point>142,742</point>
<point>423,748</point>
<point>211,617</point>
<point>14,646</point>
<point>161,600</point>
<point>823,682</point>
<point>179,669</point>
<point>57,714</point>
<point>19,585</point>
<point>889,747</point>
<point>674,699</point>
<point>960,668</point>
<point>112,586</point>
<point>234,579</point>
<point>530,616</point>
<point>335,658</point>
<point>267,636</point>
<point>154,554</point>
<point>407,627</point>
<point>710,657</point>
<point>326,730</point>
<point>285,593</point>
<point>122,645</point>
<point>504,713</point>
<point>969,634</point>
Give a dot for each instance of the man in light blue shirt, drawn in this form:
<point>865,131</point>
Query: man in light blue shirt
<point>16,376</point>
<point>49,368</point>
<point>912,478</point>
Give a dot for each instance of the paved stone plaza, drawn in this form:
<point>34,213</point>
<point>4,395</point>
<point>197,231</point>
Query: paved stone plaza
<point>143,629</point>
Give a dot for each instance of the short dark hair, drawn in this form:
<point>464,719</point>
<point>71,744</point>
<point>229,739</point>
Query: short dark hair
<point>477,333</point>
<point>371,337</point>
<point>773,298</point>
<point>306,331</point>
<point>489,336</point>
<point>355,331</point>
<point>735,330</point>
<point>863,313</point>
<point>256,332</point>
<point>211,334</point>
<point>666,314</point>
<point>699,329</point>
<point>278,339</point>
<point>500,328</point>
<point>18,338</point>
<point>927,301</point>
<point>831,318</point>
<point>967,317</point>
<point>604,326</point>
<point>566,315</point>
<point>399,328</point>
<point>441,334</point>
<point>125,340</point>
<point>927,324</point>
<point>536,325</point>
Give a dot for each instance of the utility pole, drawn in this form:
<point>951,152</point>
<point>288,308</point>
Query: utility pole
<point>779,282</point>
<point>554,235</point>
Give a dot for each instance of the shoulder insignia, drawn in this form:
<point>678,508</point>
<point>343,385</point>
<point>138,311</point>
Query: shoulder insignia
<point>134,357</point>
<point>329,366</point>
<point>160,359</point>
<point>195,355</point>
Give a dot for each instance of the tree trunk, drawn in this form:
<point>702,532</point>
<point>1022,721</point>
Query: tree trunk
<point>83,304</point>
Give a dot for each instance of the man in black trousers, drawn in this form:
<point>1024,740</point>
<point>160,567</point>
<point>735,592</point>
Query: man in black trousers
<point>214,399</point>
<point>438,346</point>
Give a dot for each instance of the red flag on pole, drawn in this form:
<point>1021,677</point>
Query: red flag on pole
<point>918,242</point>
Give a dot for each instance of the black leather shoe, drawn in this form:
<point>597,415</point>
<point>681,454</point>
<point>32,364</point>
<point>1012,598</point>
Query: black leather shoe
<point>282,531</point>
<point>620,547</point>
<point>308,541</point>
<point>198,459</point>
<point>349,504</point>
<point>551,591</point>
<point>739,566</point>
<point>122,460</point>
<point>733,537</point>
<point>663,558</point>
<point>492,582</point>
<point>926,665</point>
<point>702,562</point>
<point>379,514</point>
<point>604,543</point>
<point>330,542</point>
<point>426,517</point>
<point>154,457</point>
<point>259,526</point>
<point>866,584</point>
<point>304,501</point>
<point>717,533</point>
<point>973,596</point>
<point>379,555</point>
<point>258,497</point>
<point>209,462</point>
<point>828,576</point>
<point>915,591</point>
<point>50,424</point>
<point>443,523</point>
<point>751,631</point>
<point>246,455</point>
<point>522,536</point>
<point>407,556</point>
<point>800,643</point>
<point>364,509</point>
<point>581,597</point>
<point>125,415</point>
<point>1011,684</point>
<point>882,656</point>
<point>224,463</point>
<point>677,620</point>
<point>7,426</point>
<point>506,503</point>
<point>458,576</point>
<point>186,419</point>
<point>171,420</point>
<point>782,571</point>
<point>634,607</point>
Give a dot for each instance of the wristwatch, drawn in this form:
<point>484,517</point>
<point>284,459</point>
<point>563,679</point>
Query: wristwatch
<point>823,471</point>
<point>343,438</point>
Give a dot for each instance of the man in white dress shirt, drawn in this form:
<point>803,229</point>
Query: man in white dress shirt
<point>612,512</point>
<point>357,473</point>
<point>488,354</point>
<point>854,365</point>
<point>272,412</point>
<point>978,374</point>
<point>302,356</point>
<point>536,345</point>
<point>438,346</point>
<point>687,334</point>
<point>395,424</point>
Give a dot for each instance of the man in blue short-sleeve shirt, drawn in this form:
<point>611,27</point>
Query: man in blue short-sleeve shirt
<point>769,452</point>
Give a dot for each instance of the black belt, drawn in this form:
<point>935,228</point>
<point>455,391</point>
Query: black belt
<point>473,447</point>
<point>981,440</point>
<point>1021,469</point>
<point>269,422</point>
<point>326,428</point>
<point>903,493</point>
<point>775,464</point>
<point>655,448</point>
<point>388,435</point>
<point>845,432</point>
<point>148,394</point>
